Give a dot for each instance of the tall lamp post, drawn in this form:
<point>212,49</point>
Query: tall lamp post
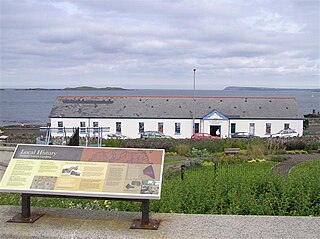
<point>194,101</point>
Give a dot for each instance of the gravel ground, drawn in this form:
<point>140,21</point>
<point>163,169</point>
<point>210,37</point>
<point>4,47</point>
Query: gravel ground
<point>79,223</point>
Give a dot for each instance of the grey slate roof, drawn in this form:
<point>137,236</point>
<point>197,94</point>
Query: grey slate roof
<point>167,107</point>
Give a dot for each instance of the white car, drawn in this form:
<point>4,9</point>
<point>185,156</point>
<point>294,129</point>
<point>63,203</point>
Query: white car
<point>3,137</point>
<point>116,136</point>
<point>153,135</point>
<point>286,133</point>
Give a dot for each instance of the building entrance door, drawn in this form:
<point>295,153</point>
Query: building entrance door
<point>215,130</point>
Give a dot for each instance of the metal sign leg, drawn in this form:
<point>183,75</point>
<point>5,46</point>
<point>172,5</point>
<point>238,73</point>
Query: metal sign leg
<point>25,216</point>
<point>145,222</point>
<point>26,206</point>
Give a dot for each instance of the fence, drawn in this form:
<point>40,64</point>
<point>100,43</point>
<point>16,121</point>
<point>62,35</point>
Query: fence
<point>244,188</point>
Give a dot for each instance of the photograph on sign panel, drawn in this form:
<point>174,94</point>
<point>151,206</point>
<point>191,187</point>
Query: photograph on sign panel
<point>71,170</point>
<point>150,187</point>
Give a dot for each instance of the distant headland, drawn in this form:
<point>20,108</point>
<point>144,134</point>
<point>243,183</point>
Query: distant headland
<point>93,88</point>
<point>90,88</point>
<point>268,89</point>
<point>79,88</point>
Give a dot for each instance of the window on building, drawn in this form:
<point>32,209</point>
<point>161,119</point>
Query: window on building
<point>252,128</point>
<point>286,126</point>
<point>60,126</point>
<point>177,128</point>
<point>160,127</point>
<point>268,128</point>
<point>95,128</point>
<point>141,127</point>
<point>196,127</point>
<point>82,127</point>
<point>233,128</point>
<point>118,127</point>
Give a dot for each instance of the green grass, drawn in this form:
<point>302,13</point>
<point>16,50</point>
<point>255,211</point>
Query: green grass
<point>238,189</point>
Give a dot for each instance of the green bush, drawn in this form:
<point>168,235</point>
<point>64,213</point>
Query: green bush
<point>182,149</point>
<point>275,146</point>
<point>166,144</point>
<point>198,153</point>
<point>306,143</point>
<point>117,143</point>
<point>276,158</point>
<point>256,148</point>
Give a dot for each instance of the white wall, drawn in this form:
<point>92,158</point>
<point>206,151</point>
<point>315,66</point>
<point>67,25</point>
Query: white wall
<point>130,127</point>
<point>260,125</point>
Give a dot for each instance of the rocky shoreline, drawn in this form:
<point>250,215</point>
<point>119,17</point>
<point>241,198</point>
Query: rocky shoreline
<point>14,130</point>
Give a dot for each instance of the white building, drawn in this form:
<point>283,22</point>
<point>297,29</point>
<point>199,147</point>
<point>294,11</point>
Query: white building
<point>173,115</point>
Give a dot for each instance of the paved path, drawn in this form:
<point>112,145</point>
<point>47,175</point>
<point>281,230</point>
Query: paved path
<point>78,223</point>
<point>5,157</point>
<point>284,167</point>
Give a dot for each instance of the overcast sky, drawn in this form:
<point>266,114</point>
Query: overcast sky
<point>157,43</point>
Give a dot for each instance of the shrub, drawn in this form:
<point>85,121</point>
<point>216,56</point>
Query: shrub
<point>232,158</point>
<point>296,152</point>
<point>166,144</point>
<point>236,143</point>
<point>212,146</point>
<point>171,153</point>
<point>277,158</point>
<point>198,153</point>
<point>182,149</point>
<point>117,143</point>
<point>256,149</point>
<point>275,146</point>
<point>307,143</point>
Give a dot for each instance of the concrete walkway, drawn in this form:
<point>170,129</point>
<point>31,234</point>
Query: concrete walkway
<point>284,167</point>
<point>5,157</point>
<point>78,223</point>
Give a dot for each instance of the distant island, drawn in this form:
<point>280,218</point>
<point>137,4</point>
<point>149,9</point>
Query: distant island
<point>79,88</point>
<point>93,88</point>
<point>268,89</point>
<point>229,88</point>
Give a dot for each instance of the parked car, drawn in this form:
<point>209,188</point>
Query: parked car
<point>2,137</point>
<point>203,136</point>
<point>265,136</point>
<point>116,136</point>
<point>153,135</point>
<point>286,133</point>
<point>246,135</point>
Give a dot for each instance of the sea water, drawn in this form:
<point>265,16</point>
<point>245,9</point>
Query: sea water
<point>34,106</point>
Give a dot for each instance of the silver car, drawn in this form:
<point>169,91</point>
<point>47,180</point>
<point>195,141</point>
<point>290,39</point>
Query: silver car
<point>153,135</point>
<point>286,133</point>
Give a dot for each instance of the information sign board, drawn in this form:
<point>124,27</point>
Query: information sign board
<point>85,171</point>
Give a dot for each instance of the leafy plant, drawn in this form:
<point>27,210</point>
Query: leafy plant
<point>198,153</point>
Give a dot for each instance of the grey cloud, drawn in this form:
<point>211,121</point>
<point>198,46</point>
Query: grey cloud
<point>135,41</point>
<point>64,35</point>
